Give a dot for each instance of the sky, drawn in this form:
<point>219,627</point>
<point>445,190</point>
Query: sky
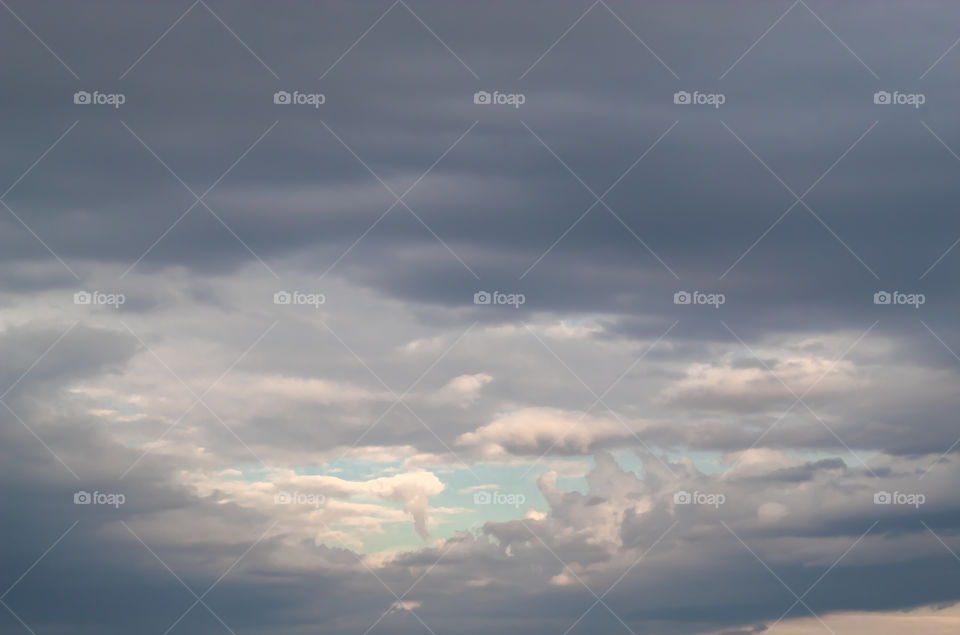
<point>442,317</point>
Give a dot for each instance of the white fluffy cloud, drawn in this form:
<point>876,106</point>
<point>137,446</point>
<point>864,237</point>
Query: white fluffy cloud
<point>318,501</point>
<point>536,430</point>
<point>462,391</point>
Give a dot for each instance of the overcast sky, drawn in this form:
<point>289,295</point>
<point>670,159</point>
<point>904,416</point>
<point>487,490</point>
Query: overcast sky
<point>447,317</point>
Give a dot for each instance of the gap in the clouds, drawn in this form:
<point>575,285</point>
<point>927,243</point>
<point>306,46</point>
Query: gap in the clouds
<point>493,492</point>
<point>514,481</point>
<point>456,509</point>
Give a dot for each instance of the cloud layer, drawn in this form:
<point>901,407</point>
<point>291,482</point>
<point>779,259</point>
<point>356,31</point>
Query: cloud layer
<point>425,316</point>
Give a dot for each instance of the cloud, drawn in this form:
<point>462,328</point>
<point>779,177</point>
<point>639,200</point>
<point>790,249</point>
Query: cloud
<point>405,605</point>
<point>932,621</point>
<point>537,430</point>
<point>462,391</point>
<point>754,385</point>
<point>320,501</point>
<point>599,399</point>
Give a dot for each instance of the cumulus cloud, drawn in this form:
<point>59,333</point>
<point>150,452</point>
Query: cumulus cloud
<point>462,391</point>
<point>319,501</point>
<point>537,430</point>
